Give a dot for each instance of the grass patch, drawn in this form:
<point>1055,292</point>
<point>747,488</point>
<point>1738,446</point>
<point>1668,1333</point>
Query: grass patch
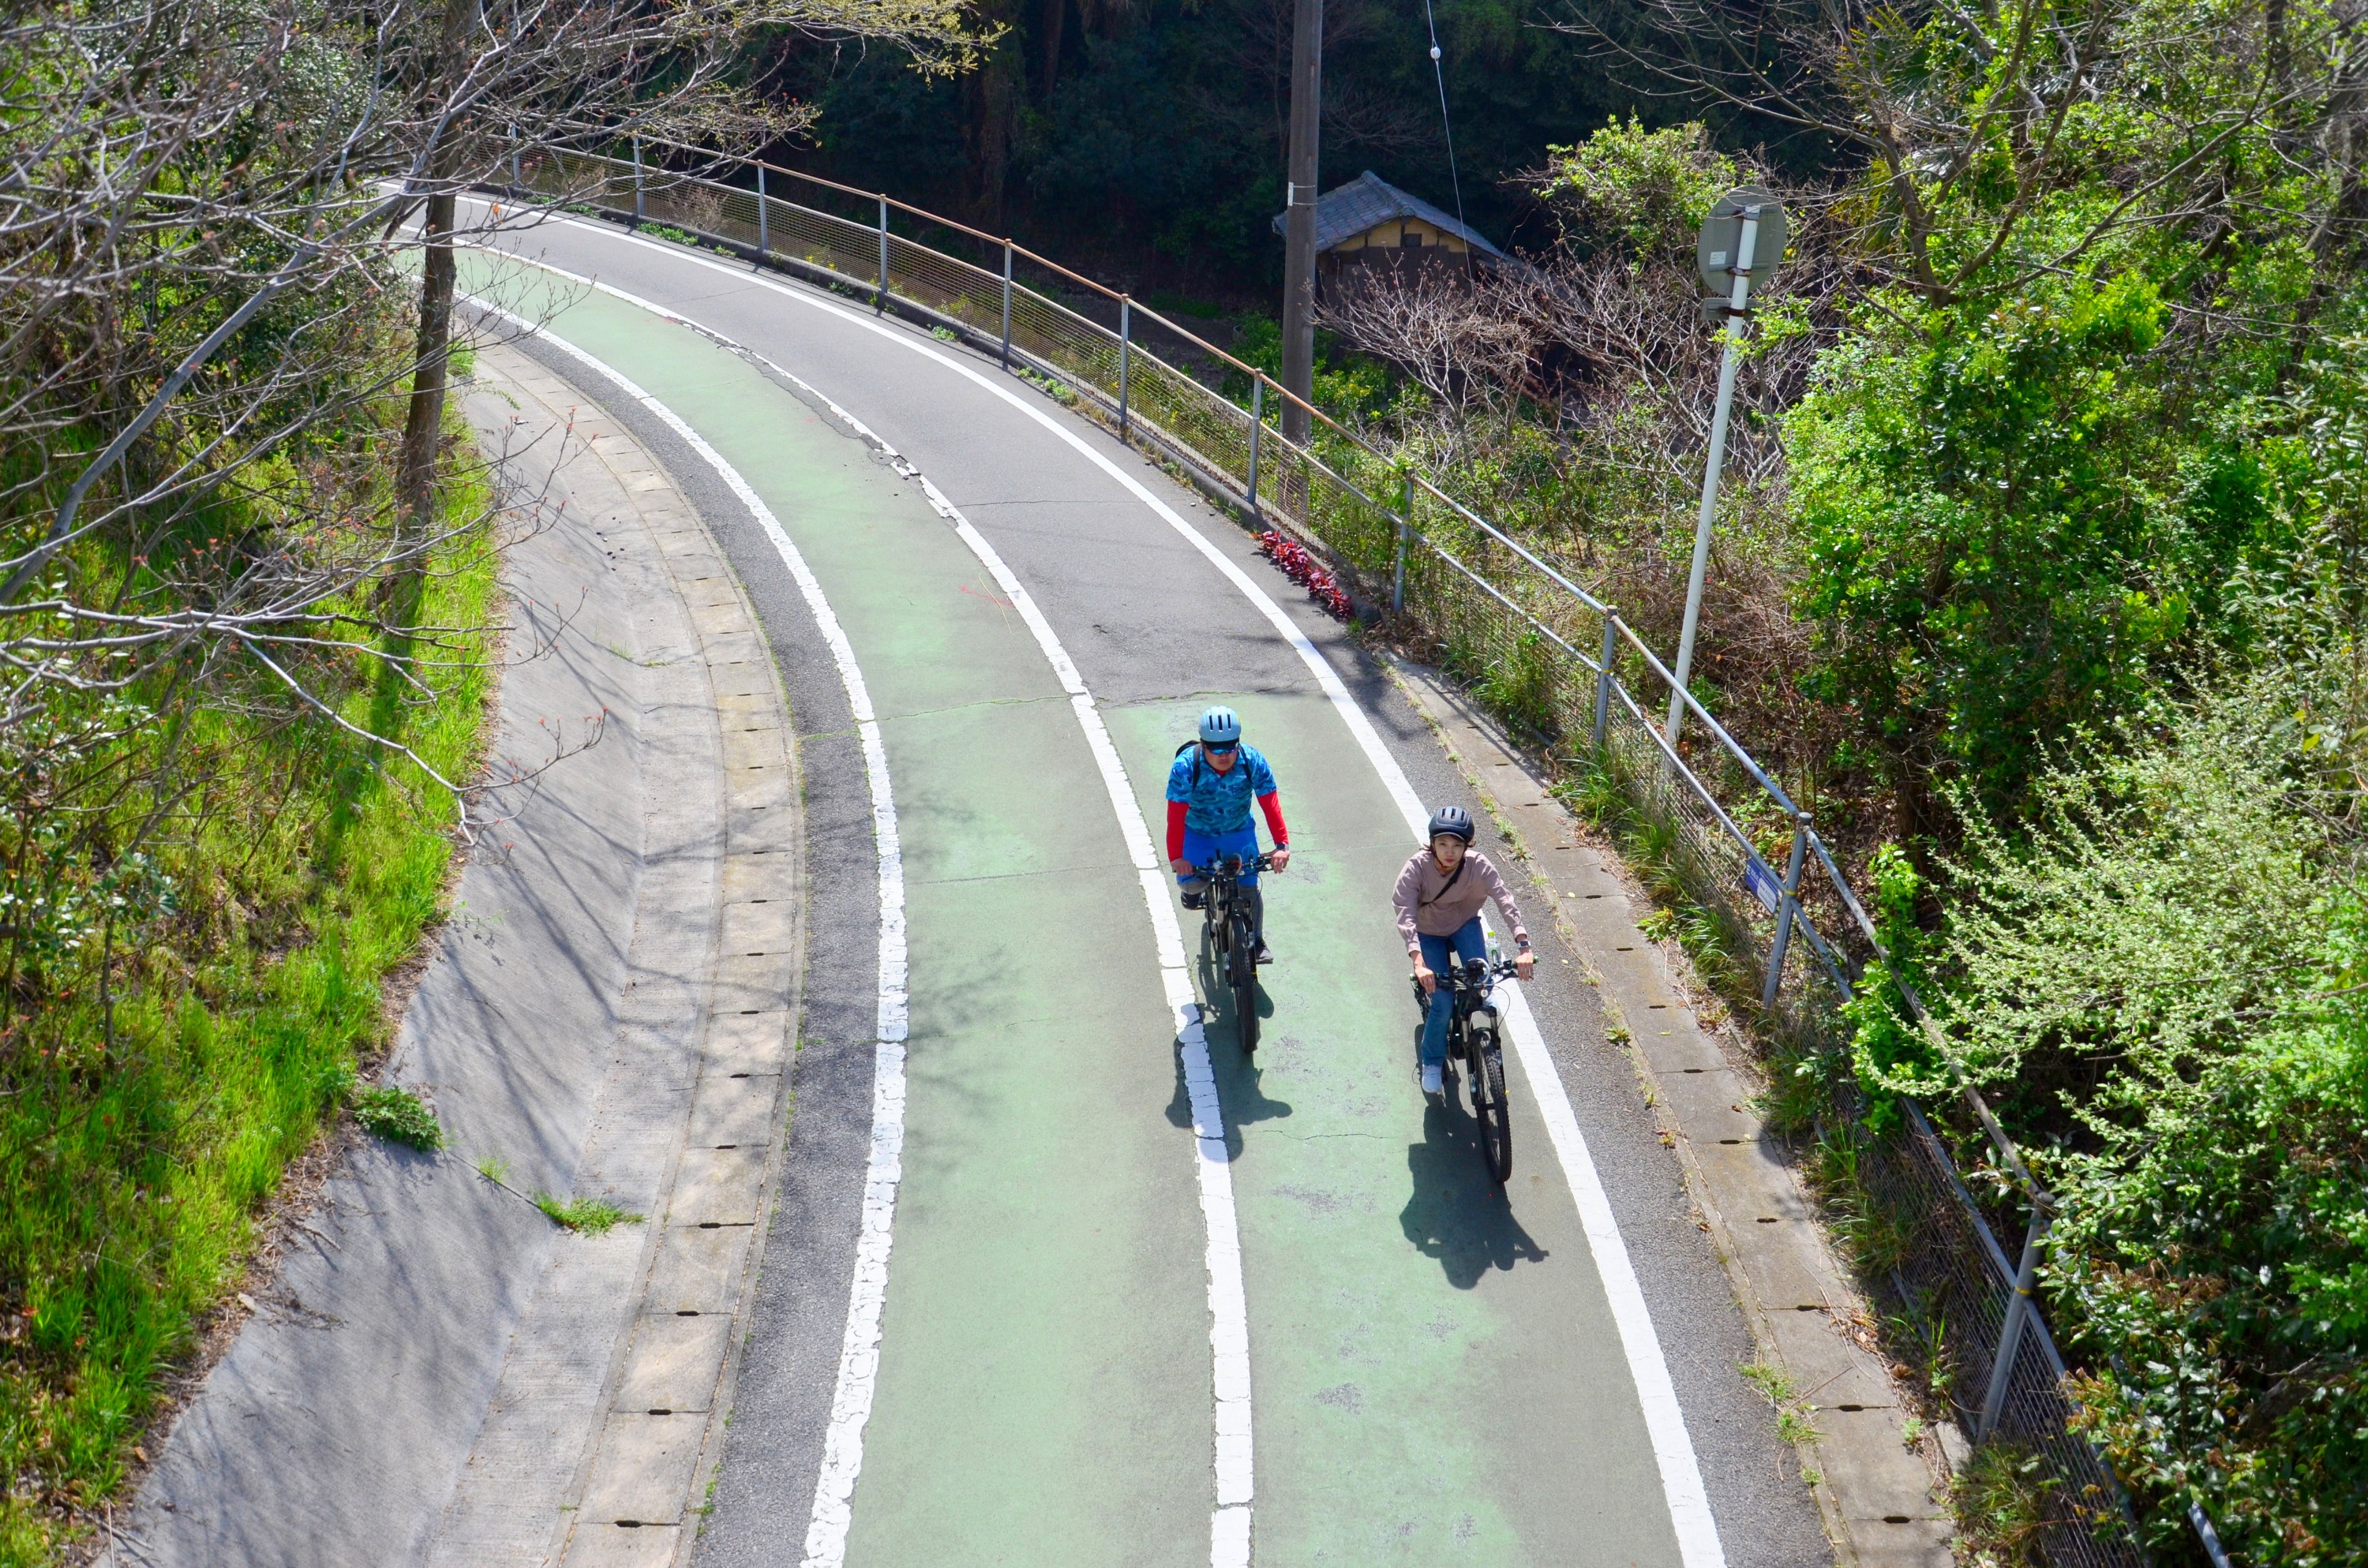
<point>2000,1500</point>
<point>667,231</point>
<point>1058,393</point>
<point>154,1100</point>
<point>586,1216</point>
<point>399,1117</point>
<point>1793,1422</point>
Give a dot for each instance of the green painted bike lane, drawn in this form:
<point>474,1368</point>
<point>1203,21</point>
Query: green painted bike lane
<point>1438,1375</point>
<point>1045,1383</point>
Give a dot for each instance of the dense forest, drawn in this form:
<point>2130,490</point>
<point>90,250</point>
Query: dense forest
<point>1147,138</point>
<point>2040,572</point>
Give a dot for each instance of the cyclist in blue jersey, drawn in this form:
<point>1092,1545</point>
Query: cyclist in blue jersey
<point>1209,793</point>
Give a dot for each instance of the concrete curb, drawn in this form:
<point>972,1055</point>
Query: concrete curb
<point>1873,1490</point>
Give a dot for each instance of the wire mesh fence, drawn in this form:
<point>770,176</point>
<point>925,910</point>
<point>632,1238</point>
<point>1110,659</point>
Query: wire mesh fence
<point>1954,1271</point>
<point>1532,645</point>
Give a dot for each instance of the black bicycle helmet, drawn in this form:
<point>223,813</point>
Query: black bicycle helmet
<point>1451,819</point>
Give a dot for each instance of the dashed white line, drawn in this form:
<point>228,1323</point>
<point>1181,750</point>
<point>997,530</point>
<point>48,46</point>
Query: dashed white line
<point>858,1356</point>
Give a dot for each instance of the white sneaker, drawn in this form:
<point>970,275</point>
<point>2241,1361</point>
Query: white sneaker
<point>1432,1080</point>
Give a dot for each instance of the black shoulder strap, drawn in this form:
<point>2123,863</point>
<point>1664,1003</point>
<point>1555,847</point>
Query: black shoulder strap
<point>1449,882</point>
<point>1192,746</point>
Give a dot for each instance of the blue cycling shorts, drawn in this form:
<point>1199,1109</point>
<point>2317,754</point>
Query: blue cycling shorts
<point>1204,848</point>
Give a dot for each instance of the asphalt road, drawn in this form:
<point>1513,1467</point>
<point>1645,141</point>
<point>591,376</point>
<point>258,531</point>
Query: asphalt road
<point>1437,1370</point>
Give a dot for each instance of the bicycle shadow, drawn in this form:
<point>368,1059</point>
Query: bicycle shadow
<point>1217,1011</point>
<point>1241,1092</point>
<point>1456,1213</point>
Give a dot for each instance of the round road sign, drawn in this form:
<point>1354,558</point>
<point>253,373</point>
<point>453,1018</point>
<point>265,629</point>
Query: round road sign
<point>1721,239</point>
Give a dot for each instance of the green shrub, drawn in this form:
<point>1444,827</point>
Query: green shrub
<point>399,1117</point>
<point>587,1216</point>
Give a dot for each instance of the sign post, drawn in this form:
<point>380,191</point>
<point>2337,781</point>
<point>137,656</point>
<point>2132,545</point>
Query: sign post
<point>1741,242</point>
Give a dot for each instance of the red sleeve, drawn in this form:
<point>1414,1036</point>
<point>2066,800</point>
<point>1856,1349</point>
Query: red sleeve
<point>1176,829</point>
<point>1271,804</point>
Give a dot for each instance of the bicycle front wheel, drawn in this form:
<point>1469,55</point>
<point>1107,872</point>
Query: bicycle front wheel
<point>1490,1109</point>
<point>1244,979</point>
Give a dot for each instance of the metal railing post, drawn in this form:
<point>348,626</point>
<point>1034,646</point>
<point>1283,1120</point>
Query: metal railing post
<point>1405,527</point>
<point>1258,423</point>
<point>2018,1310</point>
<point>637,180</point>
<point>1788,901</point>
<point>880,297</point>
<point>517,180</point>
<point>2207,1535</point>
<point>1125,351</point>
<point>1603,678</point>
<point>764,230</point>
<point>1006,305</point>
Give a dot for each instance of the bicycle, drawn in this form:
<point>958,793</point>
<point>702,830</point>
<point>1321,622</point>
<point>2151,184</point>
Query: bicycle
<point>1474,1035</point>
<point>1227,930</point>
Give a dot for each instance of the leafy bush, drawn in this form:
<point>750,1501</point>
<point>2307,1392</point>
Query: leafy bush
<point>399,1117</point>
<point>1643,193</point>
<point>2160,982</point>
<point>1996,551</point>
<point>2213,1268</point>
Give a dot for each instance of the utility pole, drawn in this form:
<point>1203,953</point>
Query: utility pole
<point>1299,219</point>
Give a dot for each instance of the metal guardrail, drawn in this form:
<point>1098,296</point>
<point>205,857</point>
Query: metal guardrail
<point>1538,647</point>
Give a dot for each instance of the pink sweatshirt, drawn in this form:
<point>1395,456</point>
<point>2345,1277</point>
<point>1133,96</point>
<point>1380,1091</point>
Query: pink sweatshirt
<point>1427,906</point>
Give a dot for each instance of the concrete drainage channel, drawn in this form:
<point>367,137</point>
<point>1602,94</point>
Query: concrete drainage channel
<point>617,1431</point>
<point>608,1019</point>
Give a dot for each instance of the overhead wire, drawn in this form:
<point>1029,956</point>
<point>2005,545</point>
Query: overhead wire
<point>1454,180</point>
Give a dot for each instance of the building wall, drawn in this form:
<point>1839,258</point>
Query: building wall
<point>1401,233</point>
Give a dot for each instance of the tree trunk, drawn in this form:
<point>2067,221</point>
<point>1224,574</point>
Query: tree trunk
<point>1056,21</point>
<point>992,90</point>
<point>423,426</point>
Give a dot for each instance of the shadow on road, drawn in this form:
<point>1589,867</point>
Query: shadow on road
<point>1456,1213</point>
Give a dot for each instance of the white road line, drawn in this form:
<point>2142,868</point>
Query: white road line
<point>1665,1421</point>
<point>1229,1333</point>
<point>1229,1525</point>
<point>858,1356</point>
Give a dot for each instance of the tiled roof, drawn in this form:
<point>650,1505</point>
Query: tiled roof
<point>1347,210</point>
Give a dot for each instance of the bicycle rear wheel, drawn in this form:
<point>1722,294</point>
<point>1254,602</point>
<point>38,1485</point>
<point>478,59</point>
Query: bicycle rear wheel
<point>1489,1107</point>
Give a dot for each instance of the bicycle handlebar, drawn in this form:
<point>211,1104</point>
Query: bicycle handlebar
<point>1491,968</point>
<point>1234,866</point>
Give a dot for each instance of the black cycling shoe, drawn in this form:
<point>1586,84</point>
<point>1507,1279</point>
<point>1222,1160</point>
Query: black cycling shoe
<point>1265,953</point>
<point>1195,900</point>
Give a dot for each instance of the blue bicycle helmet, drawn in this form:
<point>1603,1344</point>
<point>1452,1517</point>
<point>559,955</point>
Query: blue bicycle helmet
<point>1220,726</point>
<point>1451,819</point>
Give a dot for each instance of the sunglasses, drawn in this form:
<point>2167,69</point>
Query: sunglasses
<point>1225,746</point>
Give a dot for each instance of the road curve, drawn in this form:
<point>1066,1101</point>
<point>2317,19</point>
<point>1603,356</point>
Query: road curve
<point>1435,1371</point>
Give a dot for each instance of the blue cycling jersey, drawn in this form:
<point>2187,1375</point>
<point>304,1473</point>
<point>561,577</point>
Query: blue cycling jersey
<point>1218,802</point>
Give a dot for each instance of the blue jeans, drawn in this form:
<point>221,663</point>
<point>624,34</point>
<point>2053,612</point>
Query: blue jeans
<point>1204,849</point>
<point>1440,955</point>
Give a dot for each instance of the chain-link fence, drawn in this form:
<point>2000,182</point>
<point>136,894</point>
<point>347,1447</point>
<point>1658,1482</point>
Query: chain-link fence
<point>1532,646</point>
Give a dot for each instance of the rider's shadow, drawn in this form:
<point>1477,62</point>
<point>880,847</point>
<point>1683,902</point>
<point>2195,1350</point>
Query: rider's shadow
<point>1241,1094</point>
<point>1457,1214</point>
